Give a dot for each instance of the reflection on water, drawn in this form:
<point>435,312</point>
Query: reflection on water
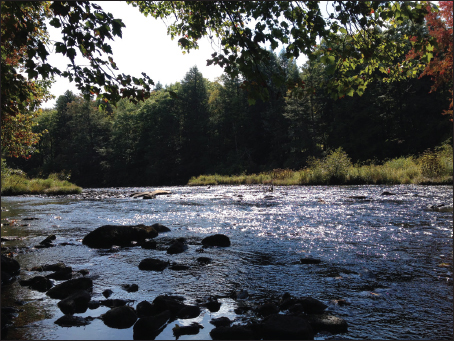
<point>388,256</point>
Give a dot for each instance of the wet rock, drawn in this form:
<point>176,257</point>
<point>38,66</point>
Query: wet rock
<point>309,260</point>
<point>212,304</point>
<point>267,309</point>
<point>10,265</point>
<point>326,322</point>
<point>177,247</point>
<point>189,312</point>
<point>114,303</point>
<point>241,295</point>
<point>84,272</point>
<point>357,197</point>
<point>49,267</point>
<point>149,327</point>
<point>39,283</point>
<point>30,218</point>
<point>149,244</point>
<point>73,321</point>
<point>285,327</point>
<point>7,278</point>
<point>173,304</point>
<point>153,264</point>
<point>68,288</point>
<point>145,308</point>
<point>109,235</point>
<point>204,260</point>
<point>62,274</point>
<point>234,333</point>
<point>192,329</point>
<point>160,228</point>
<point>130,287</point>
<point>94,304</point>
<point>149,194</point>
<point>441,208</point>
<point>120,317</point>
<point>75,303</point>
<point>108,292</point>
<point>311,305</point>
<point>216,240</point>
<point>387,193</point>
<point>48,241</point>
<point>221,321</point>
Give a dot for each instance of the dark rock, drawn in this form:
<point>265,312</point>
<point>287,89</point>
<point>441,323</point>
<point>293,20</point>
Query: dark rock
<point>68,288</point>
<point>48,240</point>
<point>204,260</point>
<point>221,322</point>
<point>161,228</point>
<point>145,308</point>
<point>109,235</point>
<point>285,327</point>
<point>75,303</point>
<point>216,240</point>
<point>49,267</point>
<point>387,193</point>
<point>62,274</point>
<point>311,305</point>
<point>267,309</point>
<point>30,218</point>
<point>94,304</point>
<point>84,272</point>
<point>177,247</point>
<point>149,327</point>
<point>10,265</point>
<point>189,312</point>
<point>108,292</point>
<point>130,287</point>
<point>149,196</point>
<point>234,333</point>
<point>163,303</point>
<point>73,321</point>
<point>329,323</point>
<point>120,317</point>
<point>192,329</point>
<point>213,305</point>
<point>114,303</point>
<point>310,260</point>
<point>358,197</point>
<point>38,283</point>
<point>149,244</point>
<point>153,264</point>
<point>7,278</point>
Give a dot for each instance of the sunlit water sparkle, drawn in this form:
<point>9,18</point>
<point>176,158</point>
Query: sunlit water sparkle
<point>382,254</point>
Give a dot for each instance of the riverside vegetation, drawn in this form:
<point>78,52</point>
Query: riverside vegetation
<point>431,167</point>
<point>16,182</point>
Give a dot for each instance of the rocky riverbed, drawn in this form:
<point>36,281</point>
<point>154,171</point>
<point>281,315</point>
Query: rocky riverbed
<point>229,262</point>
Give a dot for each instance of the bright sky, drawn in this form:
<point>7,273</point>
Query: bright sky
<point>144,47</point>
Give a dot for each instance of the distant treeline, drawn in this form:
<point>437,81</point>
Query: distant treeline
<point>196,127</point>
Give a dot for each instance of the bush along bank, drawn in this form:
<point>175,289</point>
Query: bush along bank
<point>431,167</point>
<point>15,182</point>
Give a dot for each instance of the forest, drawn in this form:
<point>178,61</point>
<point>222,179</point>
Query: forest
<point>197,126</point>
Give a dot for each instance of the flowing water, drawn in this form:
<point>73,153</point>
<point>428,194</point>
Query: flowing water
<point>388,256</point>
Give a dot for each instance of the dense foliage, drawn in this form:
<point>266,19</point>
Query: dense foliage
<point>209,127</point>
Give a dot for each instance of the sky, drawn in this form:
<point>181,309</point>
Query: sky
<point>144,47</point>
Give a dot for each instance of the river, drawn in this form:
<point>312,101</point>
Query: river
<point>388,256</point>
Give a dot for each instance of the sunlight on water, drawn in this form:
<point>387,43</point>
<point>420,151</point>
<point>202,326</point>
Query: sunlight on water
<point>389,256</point>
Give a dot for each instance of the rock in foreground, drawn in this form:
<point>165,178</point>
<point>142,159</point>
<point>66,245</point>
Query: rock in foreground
<point>216,240</point>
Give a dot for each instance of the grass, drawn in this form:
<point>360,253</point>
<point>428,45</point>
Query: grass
<point>15,182</point>
<point>431,167</point>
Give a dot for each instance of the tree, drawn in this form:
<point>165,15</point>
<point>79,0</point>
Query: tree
<point>296,24</point>
<point>440,67</point>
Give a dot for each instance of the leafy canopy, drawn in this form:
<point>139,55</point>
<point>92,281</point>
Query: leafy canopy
<point>242,28</point>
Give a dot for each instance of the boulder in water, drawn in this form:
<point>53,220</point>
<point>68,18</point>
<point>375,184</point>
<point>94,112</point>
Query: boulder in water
<point>120,317</point>
<point>108,235</point>
<point>153,264</point>
<point>285,327</point>
<point>216,240</point>
<point>149,327</point>
<point>68,288</point>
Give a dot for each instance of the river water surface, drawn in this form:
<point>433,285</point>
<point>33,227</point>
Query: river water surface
<point>388,256</point>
